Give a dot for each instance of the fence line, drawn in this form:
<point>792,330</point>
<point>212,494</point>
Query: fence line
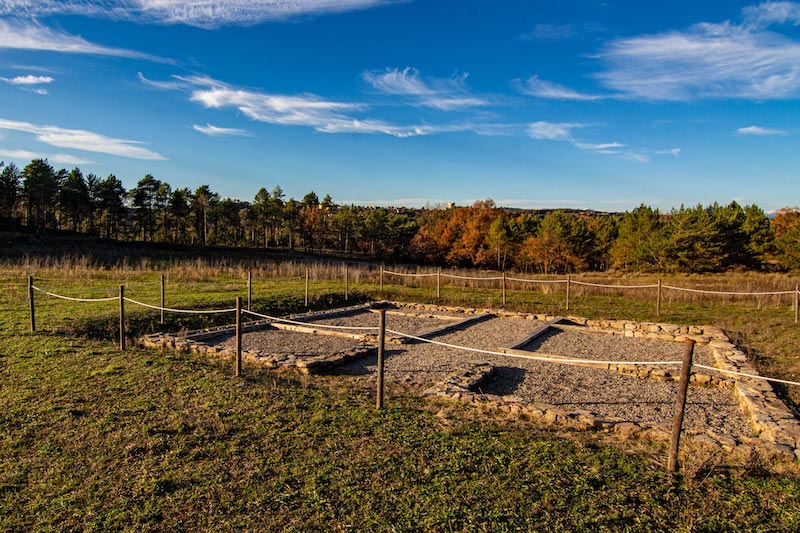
<point>121,298</point>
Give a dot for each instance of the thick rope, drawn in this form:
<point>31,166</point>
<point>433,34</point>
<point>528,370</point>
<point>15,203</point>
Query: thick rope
<point>574,282</point>
<point>536,280</point>
<point>742,374</point>
<point>471,278</point>
<point>309,324</point>
<point>71,299</point>
<point>409,275</point>
<point>535,357</point>
<point>185,311</point>
<point>728,293</point>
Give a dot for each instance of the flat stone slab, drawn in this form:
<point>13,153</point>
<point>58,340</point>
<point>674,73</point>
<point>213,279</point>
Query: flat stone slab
<point>536,333</point>
<point>455,325</point>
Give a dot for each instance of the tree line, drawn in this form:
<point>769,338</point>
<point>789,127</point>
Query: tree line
<point>699,238</point>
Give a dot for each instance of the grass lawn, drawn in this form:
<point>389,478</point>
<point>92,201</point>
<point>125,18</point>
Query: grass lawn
<point>92,438</point>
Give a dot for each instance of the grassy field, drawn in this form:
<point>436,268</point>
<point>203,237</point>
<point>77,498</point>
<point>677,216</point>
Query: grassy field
<point>96,439</point>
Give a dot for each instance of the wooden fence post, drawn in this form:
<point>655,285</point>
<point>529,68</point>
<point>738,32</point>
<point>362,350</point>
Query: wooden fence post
<point>306,288</point>
<point>504,287</point>
<point>438,283</point>
<point>238,336</point>
<point>32,305</point>
<point>163,297</point>
<point>796,303</point>
<point>658,299</point>
<point>568,283</point>
<point>381,344</point>
<point>381,279</point>
<point>249,289</point>
<point>346,283</point>
<point>680,406</point>
<point>122,317</point>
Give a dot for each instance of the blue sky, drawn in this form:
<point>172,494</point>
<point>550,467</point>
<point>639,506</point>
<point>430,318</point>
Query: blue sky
<point>580,104</point>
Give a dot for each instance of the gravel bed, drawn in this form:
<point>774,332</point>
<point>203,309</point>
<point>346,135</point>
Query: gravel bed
<point>603,392</point>
<point>407,324</point>
<point>275,341</point>
<point>595,345</point>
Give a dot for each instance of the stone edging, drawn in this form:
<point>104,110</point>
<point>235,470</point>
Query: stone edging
<point>306,365</point>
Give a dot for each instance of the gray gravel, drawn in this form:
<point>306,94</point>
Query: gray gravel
<point>603,392</point>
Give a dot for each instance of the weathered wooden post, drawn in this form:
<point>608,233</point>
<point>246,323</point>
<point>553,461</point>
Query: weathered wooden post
<point>381,279</point>
<point>122,317</point>
<point>346,283</point>
<point>306,288</point>
<point>32,305</point>
<point>381,344</point>
<point>796,303</point>
<point>238,336</point>
<point>163,297</point>
<point>680,406</point>
<point>658,299</point>
<point>504,287</point>
<point>569,279</point>
<point>438,283</point>
<point>249,289</point>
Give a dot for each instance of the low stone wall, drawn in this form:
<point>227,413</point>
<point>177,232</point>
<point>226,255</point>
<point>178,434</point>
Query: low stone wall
<point>193,342</point>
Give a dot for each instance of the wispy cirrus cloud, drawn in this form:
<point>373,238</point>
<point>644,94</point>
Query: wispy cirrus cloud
<point>24,35</point>
<point>305,109</point>
<point>768,13</point>
<point>216,131</point>
<point>29,83</point>
<point>560,32</point>
<point>564,131</point>
<point>552,131</point>
<point>26,155</point>
<point>82,140</point>
<point>441,93</point>
<point>535,86</point>
<point>199,13</point>
<point>709,60</point>
<point>761,131</point>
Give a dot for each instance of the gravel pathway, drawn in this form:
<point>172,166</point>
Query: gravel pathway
<point>276,341</point>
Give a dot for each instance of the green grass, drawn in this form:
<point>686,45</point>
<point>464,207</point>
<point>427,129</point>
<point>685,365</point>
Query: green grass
<point>94,439</point>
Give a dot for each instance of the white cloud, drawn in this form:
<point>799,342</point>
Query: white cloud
<point>706,61</point>
<point>305,109</point>
<point>441,93</point>
<point>200,13</point>
<point>758,130</point>
<point>534,86</point>
<point>60,159</point>
<point>769,13</point>
<point>670,151</point>
<point>216,131</point>
<point>28,80</point>
<point>552,131</point>
<point>82,140</point>
<point>600,146</point>
<point>34,36</point>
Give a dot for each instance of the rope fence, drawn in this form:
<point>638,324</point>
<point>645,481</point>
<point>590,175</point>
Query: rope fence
<point>686,364</point>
